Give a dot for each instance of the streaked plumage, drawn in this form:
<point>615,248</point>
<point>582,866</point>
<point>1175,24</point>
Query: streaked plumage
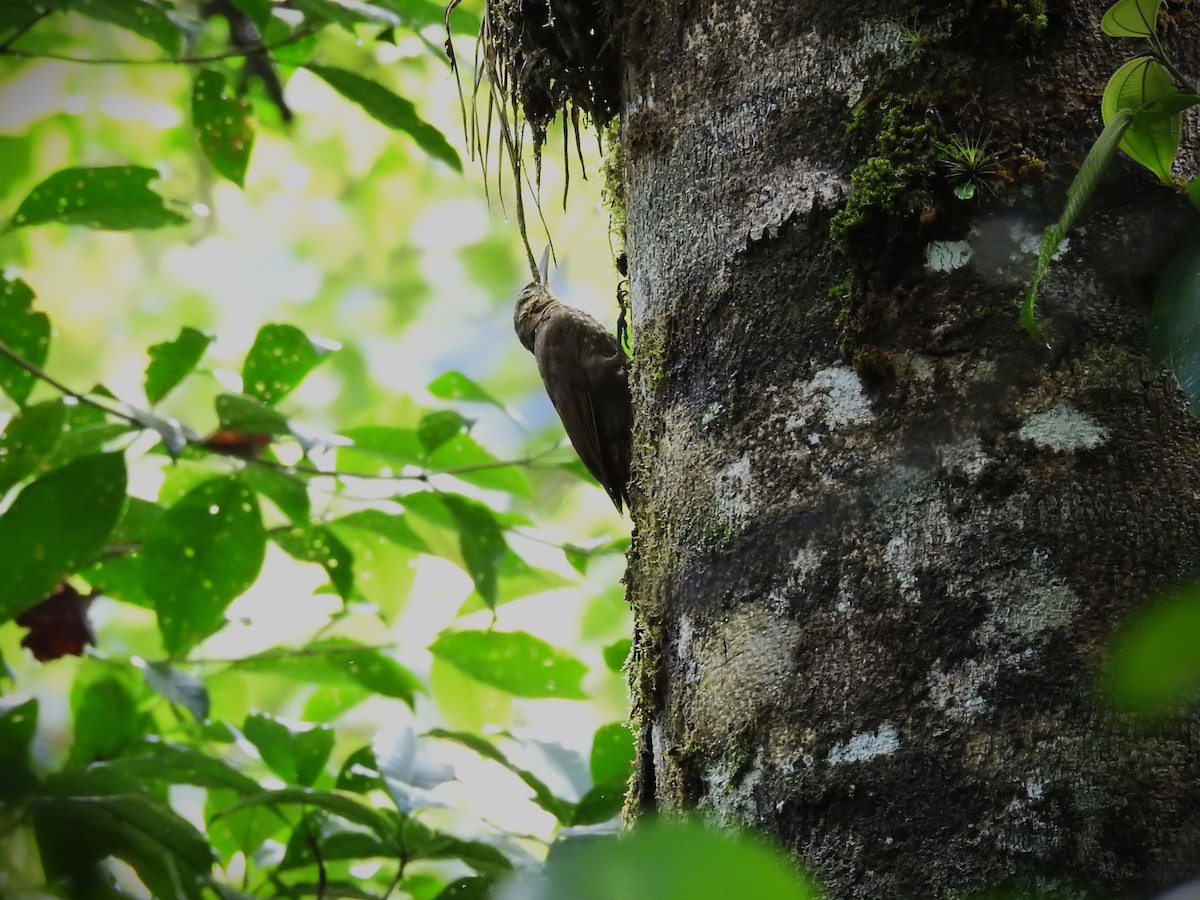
<point>585,373</point>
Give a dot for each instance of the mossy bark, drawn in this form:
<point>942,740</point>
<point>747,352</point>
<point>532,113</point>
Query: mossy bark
<point>882,535</point>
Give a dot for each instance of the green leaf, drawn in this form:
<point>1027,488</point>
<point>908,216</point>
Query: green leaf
<point>615,654</point>
<point>204,552</point>
<point>26,440</point>
<point>398,445</point>
<point>280,358</point>
<point>18,725</point>
<point>612,753</point>
<point>472,888</point>
<point>171,361</point>
<point>1175,318</point>
<point>84,816</point>
<point>106,718</point>
<point>1193,192</point>
<point>112,198</point>
<point>393,527</point>
<point>86,431</point>
<point>348,13</point>
<point>346,806</point>
<point>139,16</point>
<point>673,861</point>
<point>223,124</point>
<point>1132,18</point>
<point>1151,139</point>
<point>457,386</point>
<point>390,109</point>
<point>482,544</point>
<point>1155,664</point>
<point>178,687</point>
<point>514,661</point>
<point>601,803</point>
<point>424,843</point>
<point>436,428</point>
<point>297,755</point>
<point>317,544</point>
<point>1078,192</point>
<point>56,524</point>
<point>288,492</point>
<point>25,332</point>
<point>463,457</point>
<point>338,661</point>
<point>156,762</point>
<point>249,415</point>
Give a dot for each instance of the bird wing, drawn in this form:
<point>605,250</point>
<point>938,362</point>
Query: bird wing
<point>583,368</point>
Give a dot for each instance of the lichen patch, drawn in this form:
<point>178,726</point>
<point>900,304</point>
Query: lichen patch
<point>833,397</point>
<point>866,745</point>
<point>946,256</point>
<point>1063,429</point>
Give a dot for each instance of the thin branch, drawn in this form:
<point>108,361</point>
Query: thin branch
<point>233,53</point>
<point>20,361</point>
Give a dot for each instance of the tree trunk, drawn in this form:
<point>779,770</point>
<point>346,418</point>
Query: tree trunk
<point>883,535</point>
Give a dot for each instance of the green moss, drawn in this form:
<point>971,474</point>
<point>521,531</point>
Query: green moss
<point>893,178</point>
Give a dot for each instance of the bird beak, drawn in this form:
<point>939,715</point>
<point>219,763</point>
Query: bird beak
<point>544,265</point>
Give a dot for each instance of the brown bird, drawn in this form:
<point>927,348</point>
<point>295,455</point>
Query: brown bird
<point>584,370</point>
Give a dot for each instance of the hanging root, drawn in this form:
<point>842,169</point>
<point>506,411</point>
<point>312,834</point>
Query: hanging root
<point>540,58</point>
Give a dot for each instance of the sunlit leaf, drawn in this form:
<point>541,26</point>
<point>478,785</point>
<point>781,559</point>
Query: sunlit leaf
<point>347,806</point>
<point>239,414</point>
<point>288,492</point>
<point>156,762</point>
<point>514,661</point>
<point>1155,665</point>
<point>425,843</point>
<point>1132,18</point>
<point>334,661</point>
<point>204,552</point>
<point>457,386</point>
<point>297,755</point>
<point>317,544</point>
<point>393,527</point>
<point>171,361</point>
<point>561,809</point>
<point>481,542</point>
<point>27,438</point>
<point>57,523</point>
<point>1151,140</point>
<point>409,773</point>
<point>223,124</point>
<point>18,725</point>
<point>390,109</point>
<point>280,358</point>
<point>348,13</point>
<point>113,198</point>
<point>24,332</point>
<point>462,456</point>
<point>671,861</point>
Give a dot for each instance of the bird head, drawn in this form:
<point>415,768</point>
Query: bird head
<point>533,300</point>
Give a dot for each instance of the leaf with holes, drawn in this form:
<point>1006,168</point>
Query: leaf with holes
<point>25,332</point>
<point>317,544</point>
<point>390,109</point>
<point>223,124</point>
<point>58,523</point>
<point>199,556</point>
<point>457,386</point>
<point>514,661</point>
<point>108,198</point>
<point>280,358</point>
<point>149,20</point>
<point>26,440</point>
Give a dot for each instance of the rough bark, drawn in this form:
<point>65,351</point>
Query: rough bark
<point>883,536</point>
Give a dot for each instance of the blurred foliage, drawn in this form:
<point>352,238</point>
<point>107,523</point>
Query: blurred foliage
<point>277,561</point>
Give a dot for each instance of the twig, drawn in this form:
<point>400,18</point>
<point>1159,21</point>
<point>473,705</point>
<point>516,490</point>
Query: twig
<point>233,53</point>
<point>20,361</point>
